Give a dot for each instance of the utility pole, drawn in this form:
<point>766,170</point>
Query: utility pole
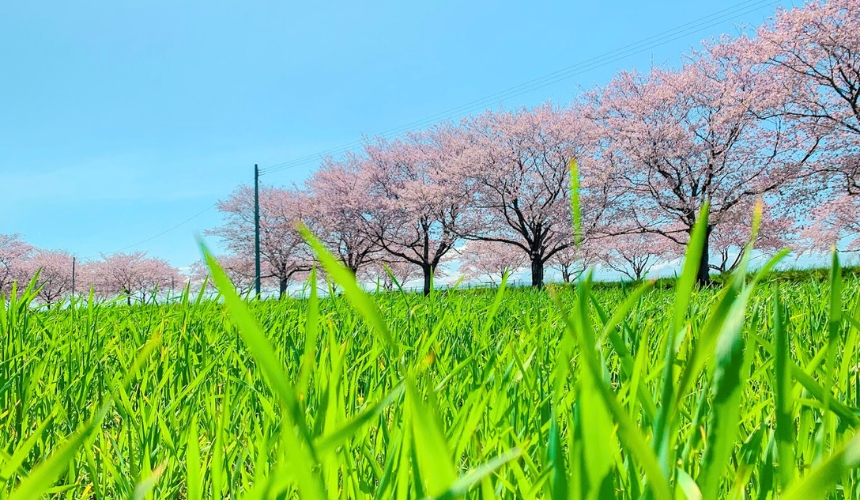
<point>73,277</point>
<point>257,229</point>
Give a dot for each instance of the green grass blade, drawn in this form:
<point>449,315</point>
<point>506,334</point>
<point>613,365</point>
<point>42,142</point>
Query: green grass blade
<point>783,401</point>
<point>462,485</point>
<point>311,334</point>
<point>360,300</point>
<point>192,463</point>
<point>823,478</point>
<point>664,423</point>
<point>434,459</point>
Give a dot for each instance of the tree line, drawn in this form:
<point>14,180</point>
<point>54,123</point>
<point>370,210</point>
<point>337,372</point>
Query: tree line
<point>772,115</point>
<point>58,274</point>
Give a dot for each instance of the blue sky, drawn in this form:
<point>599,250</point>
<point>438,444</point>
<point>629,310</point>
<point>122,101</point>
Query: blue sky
<point>121,120</point>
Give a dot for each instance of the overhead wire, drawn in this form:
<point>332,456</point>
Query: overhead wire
<point>610,57</point>
<point>198,214</point>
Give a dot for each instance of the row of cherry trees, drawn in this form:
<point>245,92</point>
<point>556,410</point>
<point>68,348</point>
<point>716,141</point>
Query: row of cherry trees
<point>134,276</point>
<point>771,116</point>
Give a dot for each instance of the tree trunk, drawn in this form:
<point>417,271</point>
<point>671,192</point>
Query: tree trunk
<point>537,271</point>
<point>282,287</point>
<point>703,277</point>
<point>428,278</point>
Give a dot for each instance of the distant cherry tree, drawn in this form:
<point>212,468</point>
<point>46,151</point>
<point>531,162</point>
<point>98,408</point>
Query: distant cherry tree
<point>240,270</point>
<point>730,237</point>
<point>337,211</point>
<point>635,254</point>
<point>574,260</point>
<point>284,255</point>
<point>134,276</point>
<point>490,260</point>
<point>376,273</point>
<point>54,268</point>
<point>14,252</point>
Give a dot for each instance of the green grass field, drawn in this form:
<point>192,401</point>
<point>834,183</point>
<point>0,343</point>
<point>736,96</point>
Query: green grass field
<point>748,390</point>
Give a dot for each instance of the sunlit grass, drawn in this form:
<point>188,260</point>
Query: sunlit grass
<point>745,391</point>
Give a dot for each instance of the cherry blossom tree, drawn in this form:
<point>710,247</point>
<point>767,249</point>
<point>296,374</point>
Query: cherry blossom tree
<point>14,252</point>
<point>131,275</point>
<point>55,273</point>
<point>816,53</point>
<point>730,237</point>
<point>674,139</point>
<point>573,260</point>
<point>337,210</point>
<point>635,254</point>
<point>283,253</point>
<point>417,201</point>
<point>490,259</point>
<point>520,176</point>
<point>402,270</point>
<point>834,224</point>
<point>240,270</point>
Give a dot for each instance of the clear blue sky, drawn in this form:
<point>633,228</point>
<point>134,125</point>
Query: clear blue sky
<point>119,120</point>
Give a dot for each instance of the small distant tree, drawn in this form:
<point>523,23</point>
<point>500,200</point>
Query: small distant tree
<point>283,253</point>
<point>490,259</point>
<point>14,252</point>
<point>730,237</point>
<point>834,224</point>
<point>131,275</point>
<point>239,269</point>
<point>573,260</point>
<point>55,274</point>
<point>634,255</point>
<point>402,270</point>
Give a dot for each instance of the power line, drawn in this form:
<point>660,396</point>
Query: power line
<point>635,48</point>
<point>610,57</point>
<point>198,214</point>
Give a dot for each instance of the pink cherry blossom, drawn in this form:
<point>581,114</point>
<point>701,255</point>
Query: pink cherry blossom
<point>55,274</point>
<point>284,255</point>
<point>633,255</point>
<point>710,131</point>
<point>130,275</point>
<point>519,176</point>
<point>13,254</point>
<point>240,270</point>
<point>573,260</point>
<point>417,200</point>
<point>402,270</point>
<point>490,260</point>
<point>337,210</point>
